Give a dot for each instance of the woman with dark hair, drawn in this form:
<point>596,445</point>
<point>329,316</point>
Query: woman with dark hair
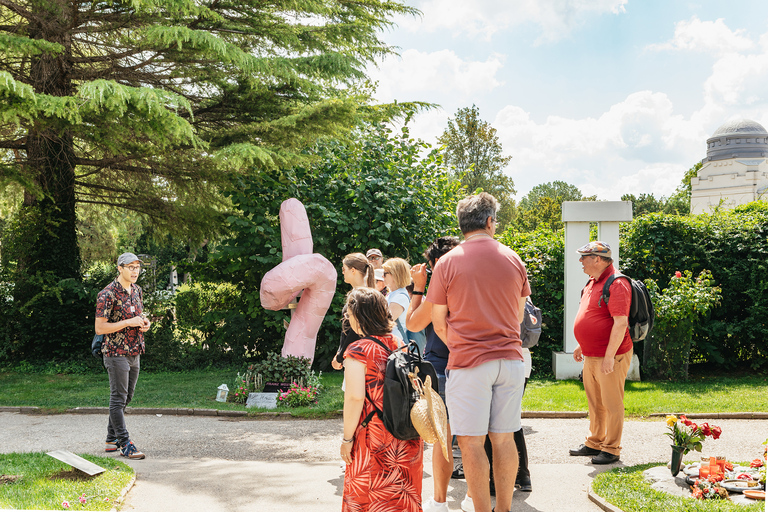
<point>382,473</point>
<point>358,272</point>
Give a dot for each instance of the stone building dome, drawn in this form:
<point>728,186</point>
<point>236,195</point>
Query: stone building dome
<point>742,138</point>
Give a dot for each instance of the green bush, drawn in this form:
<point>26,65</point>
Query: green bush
<point>543,252</point>
<point>679,309</point>
<point>276,368</point>
<point>733,245</point>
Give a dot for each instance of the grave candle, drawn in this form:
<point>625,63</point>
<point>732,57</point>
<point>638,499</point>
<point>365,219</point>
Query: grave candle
<point>703,472</point>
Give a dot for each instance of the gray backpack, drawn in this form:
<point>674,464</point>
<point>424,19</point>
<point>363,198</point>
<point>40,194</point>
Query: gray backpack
<point>530,328</point>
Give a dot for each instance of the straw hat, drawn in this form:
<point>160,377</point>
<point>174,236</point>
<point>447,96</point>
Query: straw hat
<point>428,414</point>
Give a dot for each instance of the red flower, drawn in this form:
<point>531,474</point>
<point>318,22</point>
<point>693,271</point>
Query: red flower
<point>716,431</point>
<point>757,463</point>
<point>705,429</point>
<point>678,274</point>
<point>685,420</point>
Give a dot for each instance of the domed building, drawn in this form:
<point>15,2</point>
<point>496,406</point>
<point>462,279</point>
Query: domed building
<point>736,168</point>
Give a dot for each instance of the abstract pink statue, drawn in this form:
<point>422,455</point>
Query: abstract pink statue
<point>300,270</point>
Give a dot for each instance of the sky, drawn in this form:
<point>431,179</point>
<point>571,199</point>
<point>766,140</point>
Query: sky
<point>613,96</point>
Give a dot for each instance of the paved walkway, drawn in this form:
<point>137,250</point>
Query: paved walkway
<point>217,464</point>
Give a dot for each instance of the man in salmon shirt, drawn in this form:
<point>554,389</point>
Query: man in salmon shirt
<point>605,347</point>
<point>478,293</point>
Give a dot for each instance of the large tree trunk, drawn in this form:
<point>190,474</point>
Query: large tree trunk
<point>51,236</point>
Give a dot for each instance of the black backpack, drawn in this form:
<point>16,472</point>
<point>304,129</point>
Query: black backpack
<point>530,327</point>
<point>399,394</point>
<point>641,313</point>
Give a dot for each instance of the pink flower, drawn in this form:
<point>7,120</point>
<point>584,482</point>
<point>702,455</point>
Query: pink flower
<point>65,504</point>
<point>83,499</point>
<point>106,500</point>
<point>678,274</point>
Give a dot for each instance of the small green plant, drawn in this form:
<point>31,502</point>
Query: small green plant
<point>276,368</point>
<point>679,307</point>
<point>239,394</point>
<point>298,396</point>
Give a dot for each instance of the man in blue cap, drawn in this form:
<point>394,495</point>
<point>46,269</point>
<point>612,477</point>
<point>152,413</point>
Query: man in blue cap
<point>120,318</point>
<point>605,347</point>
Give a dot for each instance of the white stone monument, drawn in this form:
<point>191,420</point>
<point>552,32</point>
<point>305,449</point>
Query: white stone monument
<point>577,215</point>
<point>735,170</point>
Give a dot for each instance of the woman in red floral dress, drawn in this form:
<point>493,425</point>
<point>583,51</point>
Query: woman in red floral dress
<point>383,474</point>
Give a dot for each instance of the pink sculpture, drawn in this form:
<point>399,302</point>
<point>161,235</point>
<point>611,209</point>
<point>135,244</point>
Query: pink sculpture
<point>300,270</point>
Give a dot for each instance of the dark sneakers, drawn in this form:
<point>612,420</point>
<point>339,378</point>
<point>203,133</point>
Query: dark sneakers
<point>605,458</point>
<point>585,450</point>
<point>111,446</point>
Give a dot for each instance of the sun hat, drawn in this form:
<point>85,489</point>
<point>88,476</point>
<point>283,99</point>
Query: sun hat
<point>372,252</point>
<point>428,414</point>
<point>379,274</point>
<point>596,248</point>
<point>126,258</point>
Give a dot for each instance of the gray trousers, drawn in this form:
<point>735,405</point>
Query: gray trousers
<point>123,373</point>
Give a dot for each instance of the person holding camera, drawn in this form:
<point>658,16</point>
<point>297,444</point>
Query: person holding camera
<point>120,318</point>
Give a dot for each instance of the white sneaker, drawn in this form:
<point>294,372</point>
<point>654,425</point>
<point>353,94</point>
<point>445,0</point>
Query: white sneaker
<point>432,506</point>
<point>467,505</point>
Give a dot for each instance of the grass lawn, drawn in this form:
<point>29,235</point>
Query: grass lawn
<point>627,489</point>
<point>45,483</point>
<point>710,394</point>
<point>198,390</point>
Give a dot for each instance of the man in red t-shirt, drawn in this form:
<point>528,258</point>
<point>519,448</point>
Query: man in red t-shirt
<point>478,293</point>
<point>605,347</point>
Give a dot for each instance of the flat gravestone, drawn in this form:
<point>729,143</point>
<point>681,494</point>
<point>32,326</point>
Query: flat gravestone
<point>77,462</point>
<point>265,400</point>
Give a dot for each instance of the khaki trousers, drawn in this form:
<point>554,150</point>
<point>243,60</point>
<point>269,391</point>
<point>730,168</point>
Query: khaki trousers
<point>605,397</point>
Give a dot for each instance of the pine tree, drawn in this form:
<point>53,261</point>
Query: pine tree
<point>151,105</point>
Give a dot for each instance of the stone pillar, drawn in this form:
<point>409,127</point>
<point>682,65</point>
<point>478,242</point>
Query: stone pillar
<point>577,216</point>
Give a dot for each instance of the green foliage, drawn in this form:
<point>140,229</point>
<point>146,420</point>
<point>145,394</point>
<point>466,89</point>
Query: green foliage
<point>679,309</point>
<point>377,191</point>
<point>733,245</point>
<point>473,150</point>
<point>543,253</point>
<point>200,305</point>
<point>278,369</point>
<point>542,206</point>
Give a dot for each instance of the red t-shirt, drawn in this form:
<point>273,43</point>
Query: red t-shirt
<point>481,281</point>
<point>594,322</point>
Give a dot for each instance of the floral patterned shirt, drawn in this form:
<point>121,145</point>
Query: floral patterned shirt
<point>115,304</point>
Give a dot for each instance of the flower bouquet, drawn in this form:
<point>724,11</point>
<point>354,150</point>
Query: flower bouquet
<point>688,435</point>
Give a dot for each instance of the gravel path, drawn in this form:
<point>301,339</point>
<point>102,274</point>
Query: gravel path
<point>214,463</point>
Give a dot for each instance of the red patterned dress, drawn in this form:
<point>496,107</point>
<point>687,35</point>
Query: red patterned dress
<point>385,474</point>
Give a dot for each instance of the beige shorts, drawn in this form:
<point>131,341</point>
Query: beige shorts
<point>486,398</point>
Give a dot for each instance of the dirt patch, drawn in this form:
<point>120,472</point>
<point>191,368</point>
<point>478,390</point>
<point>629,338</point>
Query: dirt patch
<point>9,479</point>
<point>71,474</point>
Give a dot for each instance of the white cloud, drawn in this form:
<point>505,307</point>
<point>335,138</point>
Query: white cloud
<point>708,36</point>
<point>422,74</point>
<point>483,18</point>
<point>638,145</point>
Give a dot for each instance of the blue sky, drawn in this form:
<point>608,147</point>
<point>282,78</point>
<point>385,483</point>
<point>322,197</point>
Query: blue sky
<point>613,96</point>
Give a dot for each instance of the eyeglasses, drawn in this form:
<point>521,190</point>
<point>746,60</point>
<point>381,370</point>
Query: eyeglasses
<point>374,258</point>
<point>132,268</point>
